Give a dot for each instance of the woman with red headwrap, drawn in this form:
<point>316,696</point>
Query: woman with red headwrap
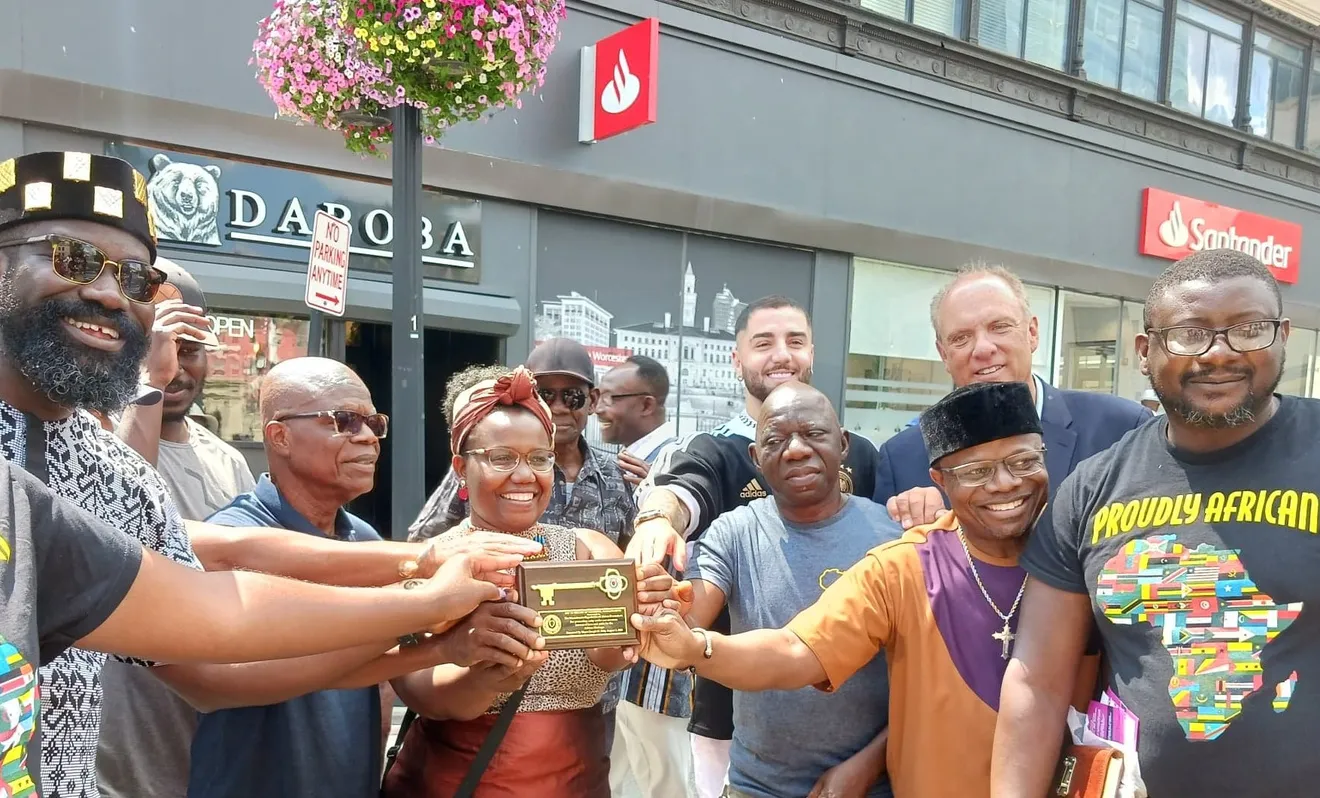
<point>502,438</point>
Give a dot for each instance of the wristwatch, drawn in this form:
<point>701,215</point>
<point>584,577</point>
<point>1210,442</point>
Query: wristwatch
<point>649,515</point>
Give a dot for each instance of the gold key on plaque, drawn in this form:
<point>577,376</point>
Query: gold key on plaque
<point>611,583</point>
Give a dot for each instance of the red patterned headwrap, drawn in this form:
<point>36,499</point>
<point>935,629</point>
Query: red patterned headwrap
<point>479,401</point>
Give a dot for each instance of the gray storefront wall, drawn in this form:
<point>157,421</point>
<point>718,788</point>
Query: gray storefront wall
<point>760,138</point>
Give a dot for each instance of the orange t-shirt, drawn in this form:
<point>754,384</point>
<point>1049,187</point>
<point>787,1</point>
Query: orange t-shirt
<point>916,598</point>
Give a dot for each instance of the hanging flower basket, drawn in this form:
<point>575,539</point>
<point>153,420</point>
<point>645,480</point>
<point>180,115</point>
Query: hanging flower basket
<point>342,64</point>
<point>303,62</point>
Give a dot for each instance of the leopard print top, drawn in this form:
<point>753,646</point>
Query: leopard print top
<point>568,680</point>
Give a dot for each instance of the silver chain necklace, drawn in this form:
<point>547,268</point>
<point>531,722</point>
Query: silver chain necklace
<point>1005,636</point>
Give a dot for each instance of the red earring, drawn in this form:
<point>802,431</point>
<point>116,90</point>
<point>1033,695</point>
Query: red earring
<point>462,491</point>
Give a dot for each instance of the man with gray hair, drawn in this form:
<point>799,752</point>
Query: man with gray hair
<point>985,332</point>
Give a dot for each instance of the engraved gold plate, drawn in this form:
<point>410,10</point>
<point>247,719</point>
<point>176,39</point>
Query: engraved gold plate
<point>7,175</point>
<point>77,167</point>
<point>108,202</point>
<point>36,196</point>
<point>582,604</point>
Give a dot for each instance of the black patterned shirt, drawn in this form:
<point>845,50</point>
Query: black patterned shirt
<point>93,469</point>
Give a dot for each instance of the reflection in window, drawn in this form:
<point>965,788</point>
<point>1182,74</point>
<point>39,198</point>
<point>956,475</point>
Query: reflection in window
<point>1276,89</point>
<point>249,347</point>
<point>1122,45</point>
<point>942,16</point>
<point>1204,71</point>
<point>1299,364</point>
<point>1036,30</point>
<point>1087,335</point>
<point>894,369</point>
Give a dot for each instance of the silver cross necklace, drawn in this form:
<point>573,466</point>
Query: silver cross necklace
<point>1005,636</point>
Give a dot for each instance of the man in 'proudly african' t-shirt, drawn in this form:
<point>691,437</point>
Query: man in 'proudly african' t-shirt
<point>1193,545</point>
<point>941,601</point>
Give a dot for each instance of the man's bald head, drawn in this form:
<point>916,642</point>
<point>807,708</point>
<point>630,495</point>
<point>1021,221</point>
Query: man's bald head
<point>800,448</point>
<point>798,397</point>
<point>293,384</point>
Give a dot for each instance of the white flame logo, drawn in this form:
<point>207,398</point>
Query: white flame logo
<point>621,92</point>
<point>1173,231</point>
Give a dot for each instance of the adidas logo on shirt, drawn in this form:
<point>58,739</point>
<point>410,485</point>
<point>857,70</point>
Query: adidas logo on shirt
<point>752,490</point>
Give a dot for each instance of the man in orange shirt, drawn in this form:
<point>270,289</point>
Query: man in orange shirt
<point>941,601</point>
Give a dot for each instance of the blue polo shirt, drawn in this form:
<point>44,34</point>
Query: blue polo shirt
<point>324,744</point>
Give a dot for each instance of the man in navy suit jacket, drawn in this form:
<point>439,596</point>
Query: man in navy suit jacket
<point>985,332</point>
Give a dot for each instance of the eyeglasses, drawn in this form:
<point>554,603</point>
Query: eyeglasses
<point>1249,336</point>
<point>349,422</point>
<point>611,398</point>
<point>504,459</point>
<point>975,474</point>
<point>82,263</point>
<point>573,398</point>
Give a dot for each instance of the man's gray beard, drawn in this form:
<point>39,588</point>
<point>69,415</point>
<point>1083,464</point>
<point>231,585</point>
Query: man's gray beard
<point>72,376</point>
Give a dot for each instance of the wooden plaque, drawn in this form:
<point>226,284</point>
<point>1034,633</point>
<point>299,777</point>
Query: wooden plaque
<point>582,604</point>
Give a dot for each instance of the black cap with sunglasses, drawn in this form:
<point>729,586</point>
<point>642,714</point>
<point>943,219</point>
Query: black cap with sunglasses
<point>564,357</point>
<point>54,186</point>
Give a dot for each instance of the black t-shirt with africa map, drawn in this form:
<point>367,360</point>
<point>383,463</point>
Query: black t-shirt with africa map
<point>1204,577</point>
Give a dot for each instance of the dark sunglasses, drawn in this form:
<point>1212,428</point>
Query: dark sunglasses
<point>82,263</point>
<point>349,422</point>
<point>573,398</point>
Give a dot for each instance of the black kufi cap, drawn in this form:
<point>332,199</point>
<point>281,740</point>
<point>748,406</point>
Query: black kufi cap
<point>48,186</point>
<point>977,414</point>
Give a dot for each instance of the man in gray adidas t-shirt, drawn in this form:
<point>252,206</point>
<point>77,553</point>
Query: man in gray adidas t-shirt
<point>770,560</point>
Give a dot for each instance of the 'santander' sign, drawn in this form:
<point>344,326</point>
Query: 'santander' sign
<point>1174,226</point>
<point>203,203</point>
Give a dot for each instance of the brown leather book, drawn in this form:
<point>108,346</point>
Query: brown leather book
<point>1087,771</point>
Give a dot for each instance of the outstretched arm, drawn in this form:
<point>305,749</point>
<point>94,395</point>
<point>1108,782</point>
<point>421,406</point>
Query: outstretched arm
<point>763,659</point>
<point>176,614</point>
<point>335,562</point>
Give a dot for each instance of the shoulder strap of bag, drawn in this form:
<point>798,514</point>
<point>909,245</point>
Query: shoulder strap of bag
<point>488,746</point>
<point>393,753</point>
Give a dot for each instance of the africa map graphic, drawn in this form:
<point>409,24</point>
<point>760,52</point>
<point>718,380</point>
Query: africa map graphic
<point>1214,622</point>
<point>18,712</point>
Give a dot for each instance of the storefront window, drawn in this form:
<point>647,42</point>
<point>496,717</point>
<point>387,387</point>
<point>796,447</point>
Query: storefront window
<point>894,369</point>
<point>1123,45</point>
<point>944,16</point>
<point>1131,383</point>
<point>1087,342</point>
<point>1035,30</point>
<point>1206,50</point>
<point>1299,366</point>
<point>1276,89</point>
<point>1313,111</point>
<point>249,347</point>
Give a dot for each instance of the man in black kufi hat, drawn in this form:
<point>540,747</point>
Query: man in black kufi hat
<point>941,602</point>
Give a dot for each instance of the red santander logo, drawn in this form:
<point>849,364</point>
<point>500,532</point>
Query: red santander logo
<point>1174,226</point>
<point>620,82</point>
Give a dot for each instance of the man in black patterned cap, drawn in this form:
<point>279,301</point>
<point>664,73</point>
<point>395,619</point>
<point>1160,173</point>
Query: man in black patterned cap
<point>77,287</point>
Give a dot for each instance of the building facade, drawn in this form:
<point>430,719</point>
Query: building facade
<point>848,155</point>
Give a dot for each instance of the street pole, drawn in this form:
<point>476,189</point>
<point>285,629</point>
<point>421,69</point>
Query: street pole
<point>408,447</point>
<point>316,335</point>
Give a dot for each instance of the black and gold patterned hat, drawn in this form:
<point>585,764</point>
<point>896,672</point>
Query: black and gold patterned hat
<point>45,186</point>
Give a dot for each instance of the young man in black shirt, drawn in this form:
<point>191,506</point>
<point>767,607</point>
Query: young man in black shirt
<point>706,475</point>
<point>1191,544</point>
